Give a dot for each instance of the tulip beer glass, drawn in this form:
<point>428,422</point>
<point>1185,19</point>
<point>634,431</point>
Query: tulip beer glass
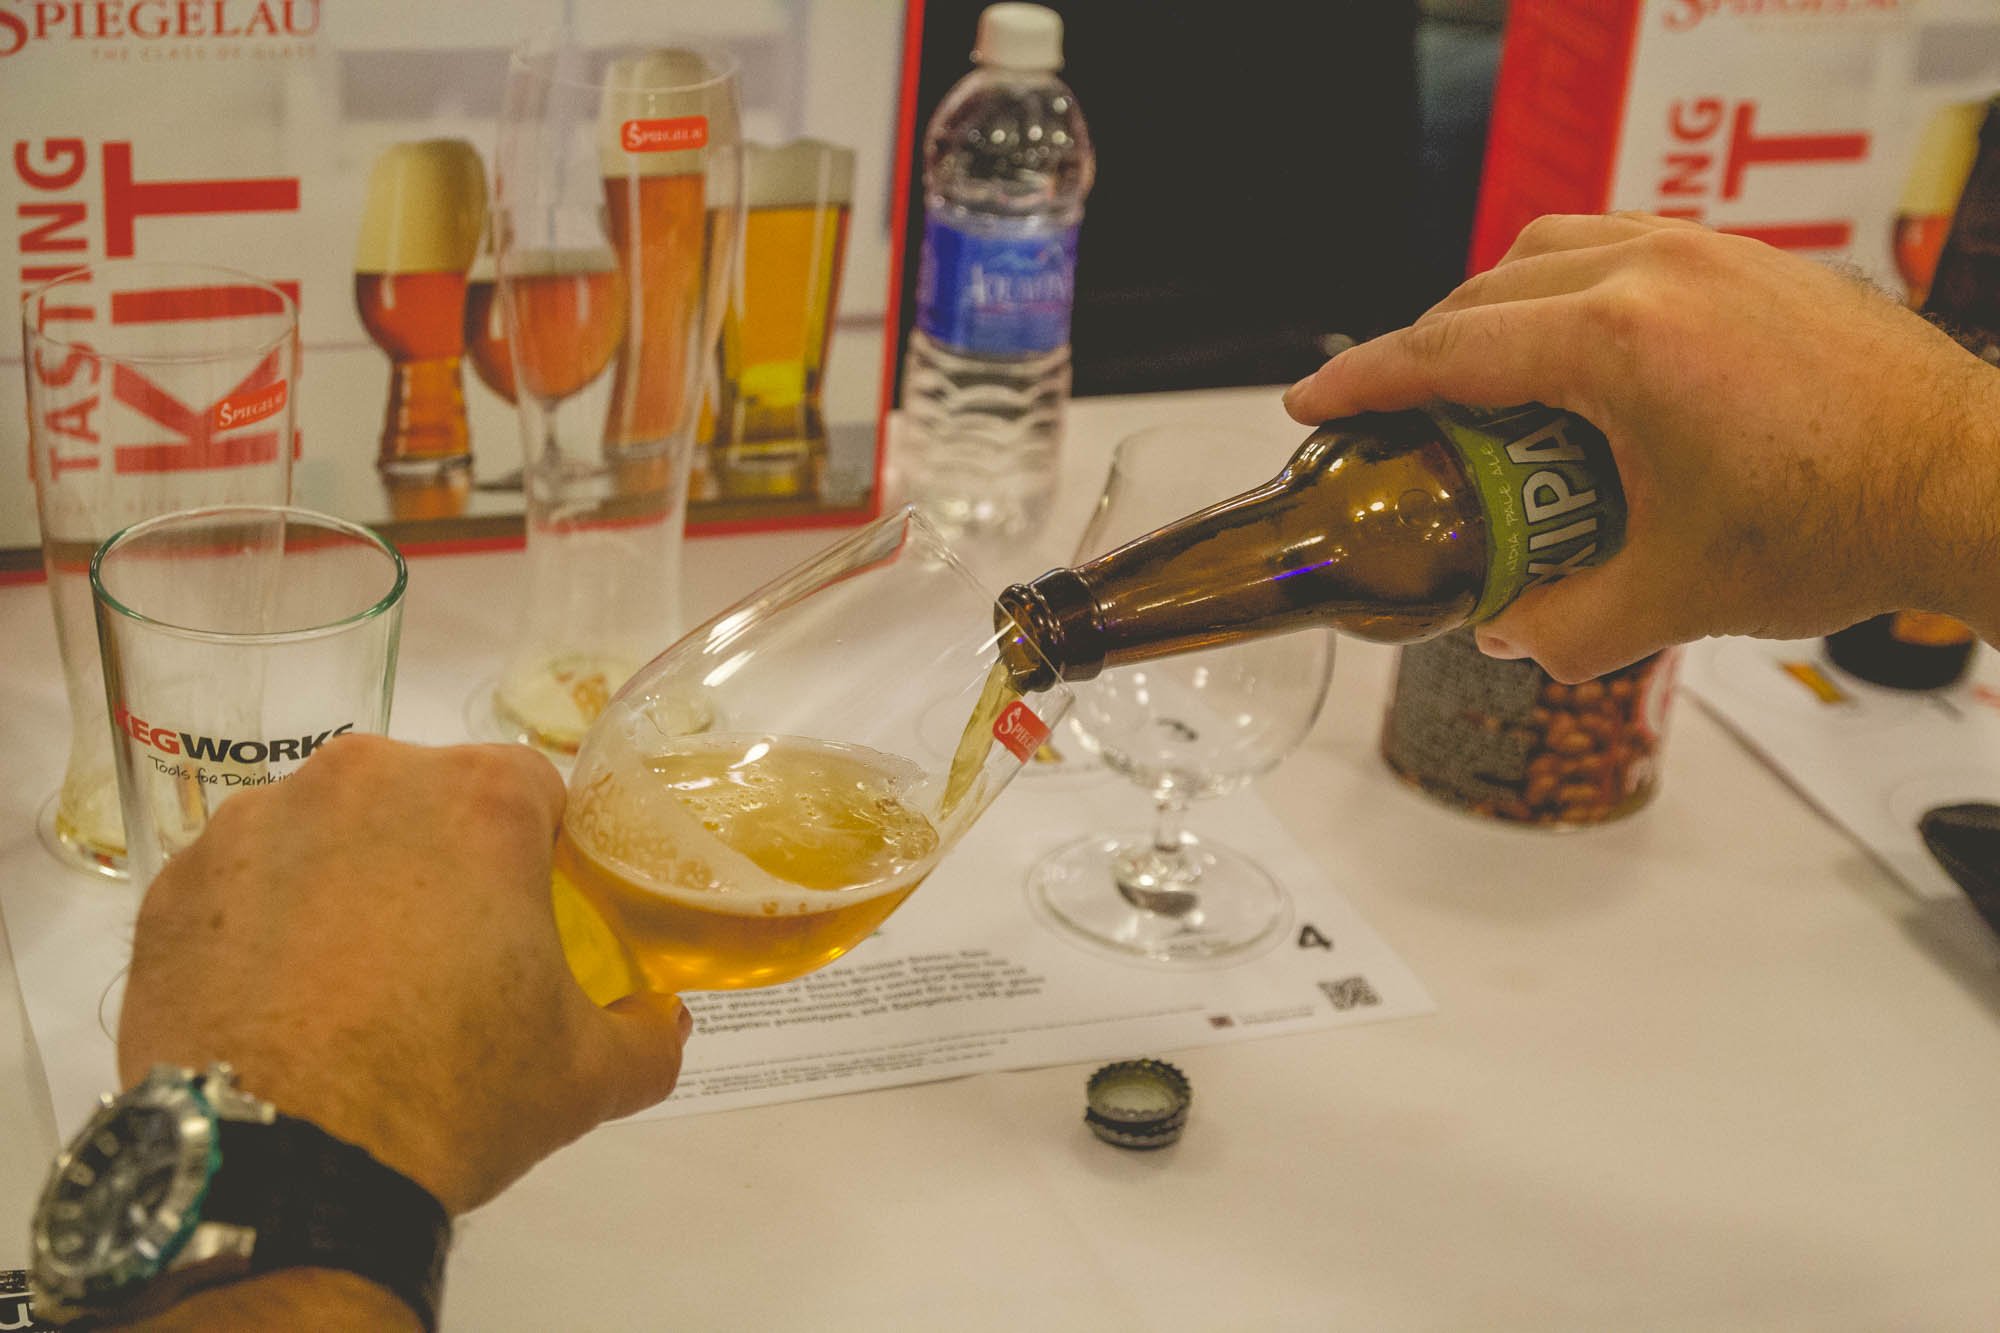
<point>758,799</point>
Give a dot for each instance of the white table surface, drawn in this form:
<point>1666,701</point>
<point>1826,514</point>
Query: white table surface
<point>1708,1068</point>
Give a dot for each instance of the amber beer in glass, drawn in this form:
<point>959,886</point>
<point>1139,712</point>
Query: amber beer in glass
<point>486,331</point>
<point>780,317</point>
<point>753,804</point>
<point>653,148</point>
<point>742,860</point>
<point>420,228</point>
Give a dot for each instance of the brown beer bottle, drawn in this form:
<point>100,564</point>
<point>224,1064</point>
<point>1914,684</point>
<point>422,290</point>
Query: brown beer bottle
<point>1918,650</point>
<point>1393,527</point>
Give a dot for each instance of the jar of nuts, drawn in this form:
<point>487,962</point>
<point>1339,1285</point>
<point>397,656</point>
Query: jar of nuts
<point>1506,740</point>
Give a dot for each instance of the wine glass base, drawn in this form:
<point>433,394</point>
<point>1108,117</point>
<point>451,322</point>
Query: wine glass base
<point>486,720</point>
<point>1232,912</point>
<point>73,853</point>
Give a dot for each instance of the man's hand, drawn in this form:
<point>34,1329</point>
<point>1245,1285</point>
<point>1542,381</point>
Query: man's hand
<point>371,944</point>
<point>1798,451</point>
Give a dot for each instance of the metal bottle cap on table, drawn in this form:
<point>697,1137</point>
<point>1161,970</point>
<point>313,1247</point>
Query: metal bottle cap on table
<point>1137,1103</point>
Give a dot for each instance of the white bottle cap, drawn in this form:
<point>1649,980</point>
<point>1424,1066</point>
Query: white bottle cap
<point>1019,36</point>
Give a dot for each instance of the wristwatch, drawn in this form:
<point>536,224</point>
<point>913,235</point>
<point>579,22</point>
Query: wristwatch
<point>186,1181</point>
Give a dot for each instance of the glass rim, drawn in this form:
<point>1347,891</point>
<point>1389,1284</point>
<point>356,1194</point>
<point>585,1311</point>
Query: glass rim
<point>287,308</point>
<point>721,60</point>
<point>104,597</point>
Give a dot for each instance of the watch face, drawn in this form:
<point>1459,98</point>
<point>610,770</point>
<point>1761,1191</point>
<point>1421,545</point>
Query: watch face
<point>124,1195</point>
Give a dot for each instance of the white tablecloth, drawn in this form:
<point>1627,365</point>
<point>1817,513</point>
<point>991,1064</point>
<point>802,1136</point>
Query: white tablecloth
<point>1707,1068</point>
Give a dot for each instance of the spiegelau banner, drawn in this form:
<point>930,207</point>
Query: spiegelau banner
<point>1839,129</point>
<point>344,151</point>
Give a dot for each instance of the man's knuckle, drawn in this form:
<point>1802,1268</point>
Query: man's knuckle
<point>350,751</point>
<point>1626,315</point>
<point>1550,231</point>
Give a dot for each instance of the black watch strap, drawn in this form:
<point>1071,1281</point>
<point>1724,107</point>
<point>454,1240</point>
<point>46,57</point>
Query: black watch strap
<point>318,1202</point>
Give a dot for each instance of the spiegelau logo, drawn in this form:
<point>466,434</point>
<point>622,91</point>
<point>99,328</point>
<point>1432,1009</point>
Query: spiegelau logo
<point>1685,14</point>
<point>26,23</point>
<point>247,409</point>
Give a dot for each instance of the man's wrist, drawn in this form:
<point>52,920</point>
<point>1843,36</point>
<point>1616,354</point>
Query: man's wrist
<point>1962,495</point>
<point>366,1116</point>
<point>187,1181</point>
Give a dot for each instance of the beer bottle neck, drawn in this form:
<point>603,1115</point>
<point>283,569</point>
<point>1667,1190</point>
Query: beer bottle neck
<point>1057,616</point>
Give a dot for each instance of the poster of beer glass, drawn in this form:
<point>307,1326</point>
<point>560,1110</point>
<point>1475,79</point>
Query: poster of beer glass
<point>347,152</point>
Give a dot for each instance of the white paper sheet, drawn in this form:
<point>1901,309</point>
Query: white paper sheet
<point>964,978</point>
<point>1873,759</point>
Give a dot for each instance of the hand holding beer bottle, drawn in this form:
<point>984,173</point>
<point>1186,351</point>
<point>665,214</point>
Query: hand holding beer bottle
<point>1796,449</point>
<point>759,798</point>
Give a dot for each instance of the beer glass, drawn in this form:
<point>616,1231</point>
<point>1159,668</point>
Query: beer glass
<point>151,387</point>
<point>420,229</point>
<point>485,332</point>
<point>757,799</point>
<point>1196,725</point>
<point>617,210</point>
<point>771,427</point>
<point>236,641</point>
<point>1931,187</point>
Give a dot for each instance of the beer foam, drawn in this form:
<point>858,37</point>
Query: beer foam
<point>660,826</point>
<point>425,210</point>
<point>668,84</point>
<point>799,174</point>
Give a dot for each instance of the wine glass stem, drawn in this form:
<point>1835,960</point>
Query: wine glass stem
<point>1169,829</point>
<point>1162,878</point>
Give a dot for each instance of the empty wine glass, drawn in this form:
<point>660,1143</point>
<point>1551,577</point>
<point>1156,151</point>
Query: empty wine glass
<point>1184,728</point>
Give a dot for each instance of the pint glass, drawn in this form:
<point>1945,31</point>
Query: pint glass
<point>617,209</point>
<point>151,387</point>
<point>236,641</point>
<point>771,427</point>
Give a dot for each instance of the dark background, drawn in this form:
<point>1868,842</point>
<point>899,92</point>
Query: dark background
<point>1267,174</point>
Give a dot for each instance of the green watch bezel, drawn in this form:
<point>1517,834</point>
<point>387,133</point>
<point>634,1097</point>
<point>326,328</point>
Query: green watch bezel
<point>174,1218</point>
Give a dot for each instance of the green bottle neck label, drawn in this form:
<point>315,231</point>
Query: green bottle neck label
<point>1549,489</point>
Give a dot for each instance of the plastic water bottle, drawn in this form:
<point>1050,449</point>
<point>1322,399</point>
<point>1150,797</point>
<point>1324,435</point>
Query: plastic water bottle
<point>1007,163</point>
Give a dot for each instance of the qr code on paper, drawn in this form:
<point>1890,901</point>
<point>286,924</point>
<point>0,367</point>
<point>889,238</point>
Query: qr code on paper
<point>1350,993</point>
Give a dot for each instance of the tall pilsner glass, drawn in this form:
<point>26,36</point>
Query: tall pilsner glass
<point>151,387</point>
<point>617,215</point>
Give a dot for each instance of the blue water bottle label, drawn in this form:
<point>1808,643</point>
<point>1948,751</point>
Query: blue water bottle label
<point>1006,294</point>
